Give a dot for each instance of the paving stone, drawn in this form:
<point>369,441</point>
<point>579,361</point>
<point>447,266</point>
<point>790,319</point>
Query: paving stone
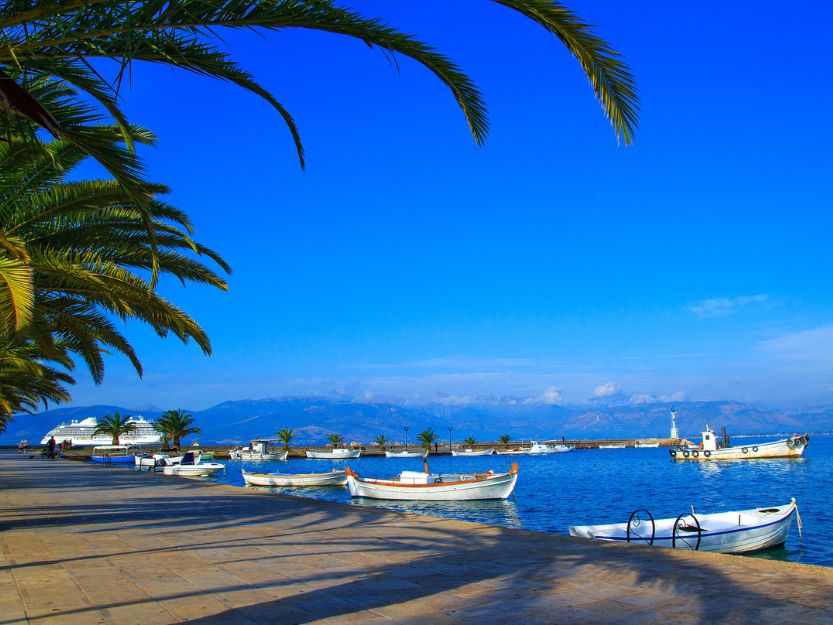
<point>82,544</point>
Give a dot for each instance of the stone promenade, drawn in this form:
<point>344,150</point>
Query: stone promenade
<point>86,544</point>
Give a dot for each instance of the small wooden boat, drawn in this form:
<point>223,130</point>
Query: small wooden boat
<point>113,454</point>
<point>472,452</point>
<point>189,466</point>
<point>539,448</point>
<point>613,446</point>
<point>646,445</point>
<point>335,454</point>
<point>403,454</point>
<point>425,486</point>
<point>739,531</point>
<point>333,478</point>
<point>513,452</point>
<point>711,449</point>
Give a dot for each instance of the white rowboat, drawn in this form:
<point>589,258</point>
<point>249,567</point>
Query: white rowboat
<point>403,454</point>
<point>471,452</point>
<point>413,485</point>
<point>613,446</point>
<point>335,454</point>
<point>513,452</point>
<point>333,478</point>
<point>726,532</point>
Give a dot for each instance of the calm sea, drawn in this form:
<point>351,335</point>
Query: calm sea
<point>605,485</point>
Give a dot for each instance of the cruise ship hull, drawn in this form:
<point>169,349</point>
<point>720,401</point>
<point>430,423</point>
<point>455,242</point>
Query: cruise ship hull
<point>80,434</point>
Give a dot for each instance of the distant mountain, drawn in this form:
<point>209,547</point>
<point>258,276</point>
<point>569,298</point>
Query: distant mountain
<point>313,418</point>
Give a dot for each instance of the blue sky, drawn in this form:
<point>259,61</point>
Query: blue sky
<point>551,263</point>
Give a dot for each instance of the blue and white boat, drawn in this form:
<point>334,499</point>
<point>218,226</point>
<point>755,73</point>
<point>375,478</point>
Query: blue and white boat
<point>739,531</point>
<point>113,454</point>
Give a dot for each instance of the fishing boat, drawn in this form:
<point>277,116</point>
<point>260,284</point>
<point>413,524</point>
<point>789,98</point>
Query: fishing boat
<point>403,454</point>
<point>235,453</point>
<point>189,466</point>
<point>739,531</point>
<point>333,478</point>
<point>468,451</point>
<point>613,446</point>
<point>263,449</point>
<point>539,448</point>
<point>646,445</point>
<point>113,454</point>
<point>711,448</point>
<point>426,486</point>
<point>337,453</point>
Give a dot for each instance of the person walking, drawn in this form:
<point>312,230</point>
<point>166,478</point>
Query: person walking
<point>50,446</point>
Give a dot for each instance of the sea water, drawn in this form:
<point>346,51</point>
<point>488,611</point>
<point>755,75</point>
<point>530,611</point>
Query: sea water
<point>593,486</point>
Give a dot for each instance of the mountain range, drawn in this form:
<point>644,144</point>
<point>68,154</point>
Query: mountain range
<point>313,418</point>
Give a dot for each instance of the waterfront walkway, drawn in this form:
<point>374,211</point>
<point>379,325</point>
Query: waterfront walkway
<point>83,544</point>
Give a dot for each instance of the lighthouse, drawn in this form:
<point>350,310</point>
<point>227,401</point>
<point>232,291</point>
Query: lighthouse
<point>674,432</point>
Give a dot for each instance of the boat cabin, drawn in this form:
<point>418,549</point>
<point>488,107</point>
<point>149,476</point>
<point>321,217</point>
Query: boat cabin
<point>416,477</point>
<point>710,442</point>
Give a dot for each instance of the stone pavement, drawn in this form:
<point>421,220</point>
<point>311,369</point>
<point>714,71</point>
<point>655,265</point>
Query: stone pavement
<point>84,544</point>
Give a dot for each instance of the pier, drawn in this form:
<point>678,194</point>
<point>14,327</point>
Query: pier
<point>84,544</point>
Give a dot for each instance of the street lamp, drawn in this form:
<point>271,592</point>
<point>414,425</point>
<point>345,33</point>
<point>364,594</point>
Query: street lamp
<point>449,438</point>
<point>406,438</point>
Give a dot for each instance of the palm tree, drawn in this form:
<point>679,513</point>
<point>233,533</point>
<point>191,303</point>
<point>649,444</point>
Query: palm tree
<point>176,424</point>
<point>505,439</point>
<point>381,441</point>
<point>28,379</point>
<point>427,438</point>
<point>114,425</point>
<point>286,435</point>
<point>469,442</point>
<point>335,439</point>
<point>80,251</point>
<point>57,40</point>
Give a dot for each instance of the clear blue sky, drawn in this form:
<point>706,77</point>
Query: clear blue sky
<point>551,263</point>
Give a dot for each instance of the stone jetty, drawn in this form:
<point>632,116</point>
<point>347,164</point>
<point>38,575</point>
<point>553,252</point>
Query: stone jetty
<point>83,544</point>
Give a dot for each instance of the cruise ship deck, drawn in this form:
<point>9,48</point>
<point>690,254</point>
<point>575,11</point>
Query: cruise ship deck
<point>83,544</point>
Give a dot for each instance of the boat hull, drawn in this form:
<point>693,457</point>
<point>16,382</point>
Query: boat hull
<point>329,455</point>
<point>192,470</point>
<point>114,460</point>
<point>497,487</point>
<point>730,532</point>
<point>256,456</point>
<point>333,478</point>
<point>793,447</point>
<point>403,454</point>
<point>483,452</point>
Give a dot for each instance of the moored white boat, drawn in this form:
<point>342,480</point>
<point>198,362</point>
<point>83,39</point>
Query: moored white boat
<point>711,449</point>
<point>472,452</point>
<point>613,446</point>
<point>403,454</point>
<point>647,445</point>
<point>542,448</point>
<point>413,485</point>
<point>738,531</point>
<point>335,454</point>
<point>513,452</point>
<point>150,460</point>
<point>333,478</point>
<point>188,466</point>
<point>261,449</point>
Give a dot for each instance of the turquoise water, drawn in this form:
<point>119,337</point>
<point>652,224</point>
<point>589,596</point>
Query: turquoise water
<point>604,486</point>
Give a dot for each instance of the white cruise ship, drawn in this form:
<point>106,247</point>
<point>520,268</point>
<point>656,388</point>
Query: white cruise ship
<point>81,433</point>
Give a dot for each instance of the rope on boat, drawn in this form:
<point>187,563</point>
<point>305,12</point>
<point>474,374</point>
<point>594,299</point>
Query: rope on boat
<point>798,521</point>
